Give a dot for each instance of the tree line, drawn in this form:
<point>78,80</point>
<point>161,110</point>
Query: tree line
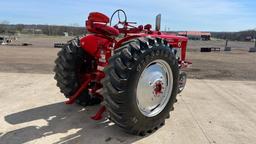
<point>235,36</point>
<point>248,35</point>
<point>51,30</point>
<point>54,30</point>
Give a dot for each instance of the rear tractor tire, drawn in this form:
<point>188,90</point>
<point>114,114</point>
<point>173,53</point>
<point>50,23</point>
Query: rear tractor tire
<point>141,85</point>
<point>71,63</point>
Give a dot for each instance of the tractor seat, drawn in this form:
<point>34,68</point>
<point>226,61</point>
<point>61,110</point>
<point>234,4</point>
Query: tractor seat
<point>97,23</point>
<point>148,27</point>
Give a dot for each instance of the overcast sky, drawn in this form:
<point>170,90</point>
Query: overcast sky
<point>204,15</point>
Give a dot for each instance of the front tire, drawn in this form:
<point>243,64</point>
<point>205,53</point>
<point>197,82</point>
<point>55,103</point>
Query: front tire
<point>182,81</point>
<point>123,94</point>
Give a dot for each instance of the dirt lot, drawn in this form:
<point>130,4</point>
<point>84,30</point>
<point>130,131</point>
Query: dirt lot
<point>217,106</point>
<point>40,41</point>
<point>236,65</point>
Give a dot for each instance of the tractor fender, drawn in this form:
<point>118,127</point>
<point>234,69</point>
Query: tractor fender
<point>92,43</point>
<point>127,38</point>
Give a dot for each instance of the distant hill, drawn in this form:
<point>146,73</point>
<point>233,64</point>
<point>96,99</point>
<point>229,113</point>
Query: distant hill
<point>41,29</point>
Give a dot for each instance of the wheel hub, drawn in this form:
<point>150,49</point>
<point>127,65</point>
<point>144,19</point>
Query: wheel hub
<point>154,88</point>
<point>158,88</point>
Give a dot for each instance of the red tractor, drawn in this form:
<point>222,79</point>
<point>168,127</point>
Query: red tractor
<point>134,71</point>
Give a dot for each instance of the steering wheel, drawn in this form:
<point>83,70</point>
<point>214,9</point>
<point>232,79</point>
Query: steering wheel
<point>119,19</point>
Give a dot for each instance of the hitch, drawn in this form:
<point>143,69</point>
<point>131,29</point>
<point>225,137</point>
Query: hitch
<point>95,91</point>
<point>78,92</point>
<point>98,115</point>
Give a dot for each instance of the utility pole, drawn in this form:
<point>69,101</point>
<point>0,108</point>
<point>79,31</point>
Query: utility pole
<point>49,30</point>
<point>253,49</point>
<point>255,43</point>
<point>226,45</point>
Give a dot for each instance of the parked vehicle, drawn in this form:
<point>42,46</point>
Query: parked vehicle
<point>135,70</point>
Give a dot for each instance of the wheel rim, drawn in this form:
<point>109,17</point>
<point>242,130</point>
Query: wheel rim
<point>182,82</point>
<point>154,88</point>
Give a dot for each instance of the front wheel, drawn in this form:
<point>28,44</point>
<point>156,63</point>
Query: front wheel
<point>182,81</point>
<point>141,85</point>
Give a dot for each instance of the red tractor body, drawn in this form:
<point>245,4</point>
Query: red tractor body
<point>106,42</point>
<point>104,36</point>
